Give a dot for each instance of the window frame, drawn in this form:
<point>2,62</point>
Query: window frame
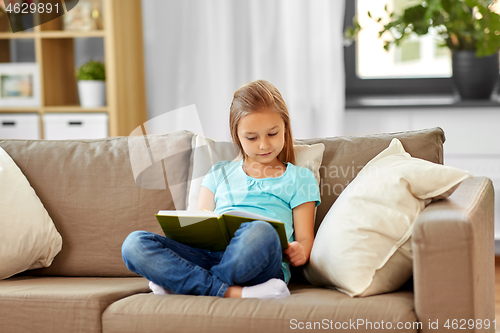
<point>355,86</point>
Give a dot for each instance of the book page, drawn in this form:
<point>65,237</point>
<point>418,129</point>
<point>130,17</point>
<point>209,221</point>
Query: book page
<point>196,231</point>
<point>188,217</point>
<point>250,215</point>
<point>194,213</point>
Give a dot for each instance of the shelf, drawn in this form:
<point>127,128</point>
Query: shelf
<point>73,108</point>
<point>54,109</point>
<point>52,34</point>
<point>18,109</point>
<point>18,35</point>
<point>71,34</point>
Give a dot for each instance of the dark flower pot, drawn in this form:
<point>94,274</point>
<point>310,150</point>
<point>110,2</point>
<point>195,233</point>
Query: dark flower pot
<point>474,78</point>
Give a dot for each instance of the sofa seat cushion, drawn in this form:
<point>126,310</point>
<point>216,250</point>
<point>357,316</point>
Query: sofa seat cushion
<point>307,304</point>
<point>61,304</point>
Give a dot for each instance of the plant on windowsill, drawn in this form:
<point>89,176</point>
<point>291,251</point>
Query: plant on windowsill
<point>469,28</point>
<point>91,78</point>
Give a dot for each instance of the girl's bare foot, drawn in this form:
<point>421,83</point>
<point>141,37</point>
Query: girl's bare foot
<point>233,292</point>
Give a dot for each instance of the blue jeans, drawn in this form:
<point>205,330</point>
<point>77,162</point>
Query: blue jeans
<point>253,256</point>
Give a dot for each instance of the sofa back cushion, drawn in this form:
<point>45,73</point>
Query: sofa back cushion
<point>345,156</point>
<point>88,189</point>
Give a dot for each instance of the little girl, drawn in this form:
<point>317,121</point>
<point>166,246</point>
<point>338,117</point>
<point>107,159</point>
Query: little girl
<point>264,182</point>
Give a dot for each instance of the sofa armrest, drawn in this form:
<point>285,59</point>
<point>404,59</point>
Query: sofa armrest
<point>454,258</point>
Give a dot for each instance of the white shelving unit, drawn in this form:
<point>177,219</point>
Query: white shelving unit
<point>55,55</point>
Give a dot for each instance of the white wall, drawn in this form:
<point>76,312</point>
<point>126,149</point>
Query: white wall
<point>472,136</point>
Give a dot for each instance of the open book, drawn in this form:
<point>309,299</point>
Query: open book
<point>208,230</point>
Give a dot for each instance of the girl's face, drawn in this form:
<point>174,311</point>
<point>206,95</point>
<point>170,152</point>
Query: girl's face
<point>262,136</point>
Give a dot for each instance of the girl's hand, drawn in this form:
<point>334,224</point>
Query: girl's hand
<point>296,254</point>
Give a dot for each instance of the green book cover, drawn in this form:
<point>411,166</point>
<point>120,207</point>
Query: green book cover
<point>208,230</point>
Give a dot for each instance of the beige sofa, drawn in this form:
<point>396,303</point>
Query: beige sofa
<point>89,191</point>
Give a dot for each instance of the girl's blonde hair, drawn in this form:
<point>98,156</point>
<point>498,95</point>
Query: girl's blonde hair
<point>254,97</point>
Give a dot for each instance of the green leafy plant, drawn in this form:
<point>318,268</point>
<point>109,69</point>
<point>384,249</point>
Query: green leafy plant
<point>92,70</point>
<point>462,24</point>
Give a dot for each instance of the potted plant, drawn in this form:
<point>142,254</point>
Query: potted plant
<point>91,78</point>
<point>469,28</point>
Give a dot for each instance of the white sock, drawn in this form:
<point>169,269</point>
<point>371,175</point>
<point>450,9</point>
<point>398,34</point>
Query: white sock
<point>159,290</point>
<point>273,288</point>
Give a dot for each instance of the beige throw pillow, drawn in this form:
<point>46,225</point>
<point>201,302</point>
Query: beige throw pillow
<point>28,237</point>
<point>207,152</point>
<point>362,246</point>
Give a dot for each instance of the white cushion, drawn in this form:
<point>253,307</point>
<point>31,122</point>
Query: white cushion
<point>363,246</point>
<point>310,157</point>
<point>207,152</point>
<point>28,237</point>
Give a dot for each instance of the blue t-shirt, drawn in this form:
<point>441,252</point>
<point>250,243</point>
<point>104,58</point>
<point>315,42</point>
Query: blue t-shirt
<point>270,197</point>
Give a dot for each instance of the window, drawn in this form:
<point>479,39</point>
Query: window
<point>416,57</point>
<point>417,66</point>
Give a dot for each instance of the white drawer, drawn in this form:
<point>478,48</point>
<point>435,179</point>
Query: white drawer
<point>19,126</point>
<point>67,126</point>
